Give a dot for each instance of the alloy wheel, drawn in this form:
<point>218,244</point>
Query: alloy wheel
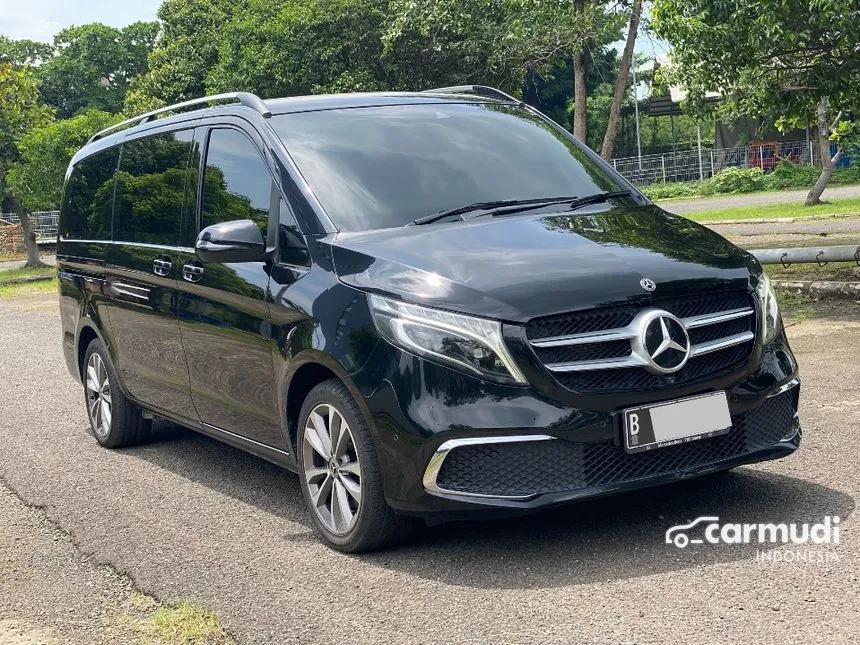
<point>98,395</point>
<point>332,469</point>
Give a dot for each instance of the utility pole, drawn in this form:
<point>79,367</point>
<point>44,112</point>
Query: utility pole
<point>636,108</point>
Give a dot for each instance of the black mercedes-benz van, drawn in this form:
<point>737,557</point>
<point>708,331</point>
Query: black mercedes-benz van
<point>429,305</point>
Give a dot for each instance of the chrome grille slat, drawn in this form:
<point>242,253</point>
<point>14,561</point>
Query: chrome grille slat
<point>723,343</point>
<point>607,364</point>
<point>622,333</point>
<point>719,317</point>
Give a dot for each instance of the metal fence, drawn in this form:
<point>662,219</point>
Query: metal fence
<point>702,163</point>
<point>44,222</point>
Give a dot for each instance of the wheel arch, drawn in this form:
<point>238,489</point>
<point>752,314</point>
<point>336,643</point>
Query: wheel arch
<point>309,369</point>
<point>85,334</point>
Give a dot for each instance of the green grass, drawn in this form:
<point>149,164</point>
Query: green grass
<point>27,288</point>
<point>16,274</point>
<point>185,623</point>
<point>831,272</point>
<point>848,206</point>
<point>797,306</point>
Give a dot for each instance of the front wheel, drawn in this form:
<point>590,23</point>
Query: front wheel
<point>339,472</point>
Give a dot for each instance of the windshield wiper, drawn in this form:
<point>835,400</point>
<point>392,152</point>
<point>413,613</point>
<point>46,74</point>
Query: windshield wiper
<point>484,206</point>
<point>597,198</point>
<point>511,206</point>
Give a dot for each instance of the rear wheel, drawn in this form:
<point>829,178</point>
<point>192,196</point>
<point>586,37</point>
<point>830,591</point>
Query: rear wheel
<point>114,420</point>
<point>340,476</point>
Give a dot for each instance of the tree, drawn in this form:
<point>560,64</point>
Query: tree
<point>44,152</point>
<point>20,112</point>
<point>24,52</point>
<point>316,46</point>
<point>508,40</point>
<point>791,61</point>
<point>185,49</point>
<point>93,65</point>
<point>608,146</point>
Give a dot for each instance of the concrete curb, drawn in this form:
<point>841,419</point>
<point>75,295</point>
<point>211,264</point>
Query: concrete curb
<point>820,288</point>
<point>32,278</point>
<point>781,220</point>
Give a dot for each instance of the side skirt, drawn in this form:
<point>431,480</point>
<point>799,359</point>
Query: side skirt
<point>277,456</point>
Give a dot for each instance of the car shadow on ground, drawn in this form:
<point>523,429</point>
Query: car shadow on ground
<point>611,538</point>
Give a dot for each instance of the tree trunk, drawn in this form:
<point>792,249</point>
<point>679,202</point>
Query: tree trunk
<point>580,120</point>
<point>33,259</point>
<point>827,163</point>
<point>621,83</point>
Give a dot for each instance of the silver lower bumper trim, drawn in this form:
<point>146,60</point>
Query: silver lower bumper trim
<point>435,464</point>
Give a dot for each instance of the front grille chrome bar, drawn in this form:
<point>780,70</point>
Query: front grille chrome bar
<point>719,317</point>
<point>721,343</point>
<point>633,360</point>
<point>605,336</point>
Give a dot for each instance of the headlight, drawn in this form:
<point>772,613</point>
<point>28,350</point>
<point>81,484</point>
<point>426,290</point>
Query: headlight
<point>769,309</point>
<point>473,345</point>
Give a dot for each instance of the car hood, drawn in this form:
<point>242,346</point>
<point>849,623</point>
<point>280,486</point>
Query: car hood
<point>518,267</point>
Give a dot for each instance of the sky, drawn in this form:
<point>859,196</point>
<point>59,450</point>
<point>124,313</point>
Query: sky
<point>41,19</point>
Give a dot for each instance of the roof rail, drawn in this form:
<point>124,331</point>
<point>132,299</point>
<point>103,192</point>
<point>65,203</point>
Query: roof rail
<point>479,90</point>
<point>245,98</point>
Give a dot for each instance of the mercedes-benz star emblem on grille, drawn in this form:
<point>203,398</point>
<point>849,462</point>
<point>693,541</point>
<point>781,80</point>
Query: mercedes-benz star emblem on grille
<point>661,342</point>
<point>648,284</point>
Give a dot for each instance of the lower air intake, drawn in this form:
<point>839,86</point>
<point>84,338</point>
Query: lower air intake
<point>539,467</point>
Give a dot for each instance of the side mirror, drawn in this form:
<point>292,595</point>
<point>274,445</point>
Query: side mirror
<point>237,241</point>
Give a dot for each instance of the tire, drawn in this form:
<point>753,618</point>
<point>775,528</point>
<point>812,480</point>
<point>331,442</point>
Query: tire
<point>105,401</point>
<point>329,482</point>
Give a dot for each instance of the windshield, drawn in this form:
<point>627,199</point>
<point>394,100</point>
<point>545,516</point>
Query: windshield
<point>381,167</point>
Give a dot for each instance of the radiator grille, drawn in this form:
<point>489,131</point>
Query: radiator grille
<point>563,343</point>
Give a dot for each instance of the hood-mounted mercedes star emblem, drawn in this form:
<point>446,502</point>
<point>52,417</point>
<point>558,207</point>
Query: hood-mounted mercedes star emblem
<point>648,284</point>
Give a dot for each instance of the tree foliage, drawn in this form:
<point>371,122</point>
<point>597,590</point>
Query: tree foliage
<point>20,112</point>
<point>796,62</point>
<point>93,65</point>
<point>185,49</point>
<point>36,178</point>
<point>309,47</point>
<point>24,52</point>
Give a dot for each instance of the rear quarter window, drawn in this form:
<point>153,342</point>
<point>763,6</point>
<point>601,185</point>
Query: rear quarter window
<point>86,209</point>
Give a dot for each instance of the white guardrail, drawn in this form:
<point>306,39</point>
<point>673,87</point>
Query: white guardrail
<point>808,254</point>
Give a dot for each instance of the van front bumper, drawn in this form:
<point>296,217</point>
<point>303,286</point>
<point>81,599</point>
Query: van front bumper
<point>505,451</point>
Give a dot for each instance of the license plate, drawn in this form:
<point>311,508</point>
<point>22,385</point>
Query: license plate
<point>666,424</point>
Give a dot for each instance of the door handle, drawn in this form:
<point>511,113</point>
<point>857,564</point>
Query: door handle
<point>161,266</point>
<point>192,272</point>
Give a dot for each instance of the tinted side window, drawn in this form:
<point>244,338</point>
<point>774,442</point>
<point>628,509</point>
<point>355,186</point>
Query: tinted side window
<point>150,187</point>
<point>86,210</point>
<point>236,182</point>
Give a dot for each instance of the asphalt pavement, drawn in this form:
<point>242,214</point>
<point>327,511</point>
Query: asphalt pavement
<point>185,517</point>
